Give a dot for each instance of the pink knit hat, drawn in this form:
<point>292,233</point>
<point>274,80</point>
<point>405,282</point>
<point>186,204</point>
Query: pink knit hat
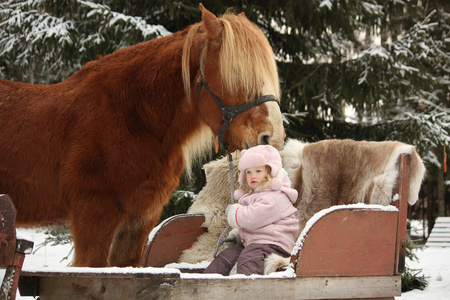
<point>259,156</point>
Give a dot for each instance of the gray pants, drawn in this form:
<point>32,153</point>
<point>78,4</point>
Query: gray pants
<point>250,259</point>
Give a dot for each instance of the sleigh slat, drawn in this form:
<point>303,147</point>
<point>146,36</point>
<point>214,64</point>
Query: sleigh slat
<point>400,195</point>
<point>77,285</point>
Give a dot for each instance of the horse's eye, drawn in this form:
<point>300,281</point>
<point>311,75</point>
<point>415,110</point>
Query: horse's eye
<point>263,139</point>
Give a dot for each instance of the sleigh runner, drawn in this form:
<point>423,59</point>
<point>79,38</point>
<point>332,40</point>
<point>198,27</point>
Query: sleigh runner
<point>344,252</point>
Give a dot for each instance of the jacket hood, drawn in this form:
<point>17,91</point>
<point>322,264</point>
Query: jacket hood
<point>259,156</point>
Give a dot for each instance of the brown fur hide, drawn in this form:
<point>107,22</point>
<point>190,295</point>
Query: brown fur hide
<point>326,173</point>
<point>335,172</point>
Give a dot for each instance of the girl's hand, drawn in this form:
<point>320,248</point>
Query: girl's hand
<point>233,237</point>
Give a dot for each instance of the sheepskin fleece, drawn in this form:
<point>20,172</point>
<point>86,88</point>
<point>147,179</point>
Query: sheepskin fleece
<point>326,173</point>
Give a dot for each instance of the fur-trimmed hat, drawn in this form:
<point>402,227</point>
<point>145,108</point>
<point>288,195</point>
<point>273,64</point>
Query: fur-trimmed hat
<point>259,156</point>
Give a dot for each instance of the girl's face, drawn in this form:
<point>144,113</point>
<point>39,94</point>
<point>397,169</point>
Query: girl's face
<point>255,175</point>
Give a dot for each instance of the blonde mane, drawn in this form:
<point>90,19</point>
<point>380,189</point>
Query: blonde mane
<point>247,62</point>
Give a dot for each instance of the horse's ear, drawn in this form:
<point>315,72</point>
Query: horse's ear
<point>212,25</point>
<point>242,14</point>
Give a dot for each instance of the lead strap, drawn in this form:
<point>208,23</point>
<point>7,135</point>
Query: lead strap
<point>228,228</point>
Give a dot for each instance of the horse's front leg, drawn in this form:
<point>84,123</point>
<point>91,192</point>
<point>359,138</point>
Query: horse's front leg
<point>129,240</point>
<point>93,224</point>
<point>145,210</point>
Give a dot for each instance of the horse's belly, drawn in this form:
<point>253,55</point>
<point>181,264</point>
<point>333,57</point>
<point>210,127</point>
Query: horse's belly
<point>36,204</point>
<point>36,212</point>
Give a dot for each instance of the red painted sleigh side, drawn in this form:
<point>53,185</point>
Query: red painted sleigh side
<point>171,238</point>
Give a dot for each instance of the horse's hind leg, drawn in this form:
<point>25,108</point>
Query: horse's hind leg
<point>129,240</point>
<point>93,226</point>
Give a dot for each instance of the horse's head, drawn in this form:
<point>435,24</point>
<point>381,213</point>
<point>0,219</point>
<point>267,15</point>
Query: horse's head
<point>236,81</point>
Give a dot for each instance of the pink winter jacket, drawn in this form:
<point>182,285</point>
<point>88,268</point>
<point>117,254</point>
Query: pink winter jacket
<point>267,217</point>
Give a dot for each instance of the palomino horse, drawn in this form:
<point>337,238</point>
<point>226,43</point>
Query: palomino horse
<point>105,148</point>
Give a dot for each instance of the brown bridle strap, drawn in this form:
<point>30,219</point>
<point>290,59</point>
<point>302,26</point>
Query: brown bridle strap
<point>231,111</point>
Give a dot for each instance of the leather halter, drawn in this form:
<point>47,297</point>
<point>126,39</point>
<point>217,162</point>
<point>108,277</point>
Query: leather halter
<point>231,111</point>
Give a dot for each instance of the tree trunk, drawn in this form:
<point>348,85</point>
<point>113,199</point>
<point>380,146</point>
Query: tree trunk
<point>440,187</point>
<point>441,194</point>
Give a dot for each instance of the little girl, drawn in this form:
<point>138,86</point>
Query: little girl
<point>265,216</point>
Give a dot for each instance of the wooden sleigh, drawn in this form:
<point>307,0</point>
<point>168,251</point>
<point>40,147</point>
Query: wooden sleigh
<point>347,252</point>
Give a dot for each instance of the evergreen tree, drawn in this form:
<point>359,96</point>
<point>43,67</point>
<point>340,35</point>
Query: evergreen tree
<point>46,41</point>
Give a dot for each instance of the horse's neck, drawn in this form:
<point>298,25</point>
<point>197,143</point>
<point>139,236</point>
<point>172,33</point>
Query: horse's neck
<point>145,79</point>
<point>152,64</point>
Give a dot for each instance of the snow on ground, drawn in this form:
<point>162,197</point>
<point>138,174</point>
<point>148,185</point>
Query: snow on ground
<point>46,256</point>
<point>434,263</point>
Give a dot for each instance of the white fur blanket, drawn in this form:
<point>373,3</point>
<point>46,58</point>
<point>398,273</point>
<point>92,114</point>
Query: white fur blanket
<point>326,173</point>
